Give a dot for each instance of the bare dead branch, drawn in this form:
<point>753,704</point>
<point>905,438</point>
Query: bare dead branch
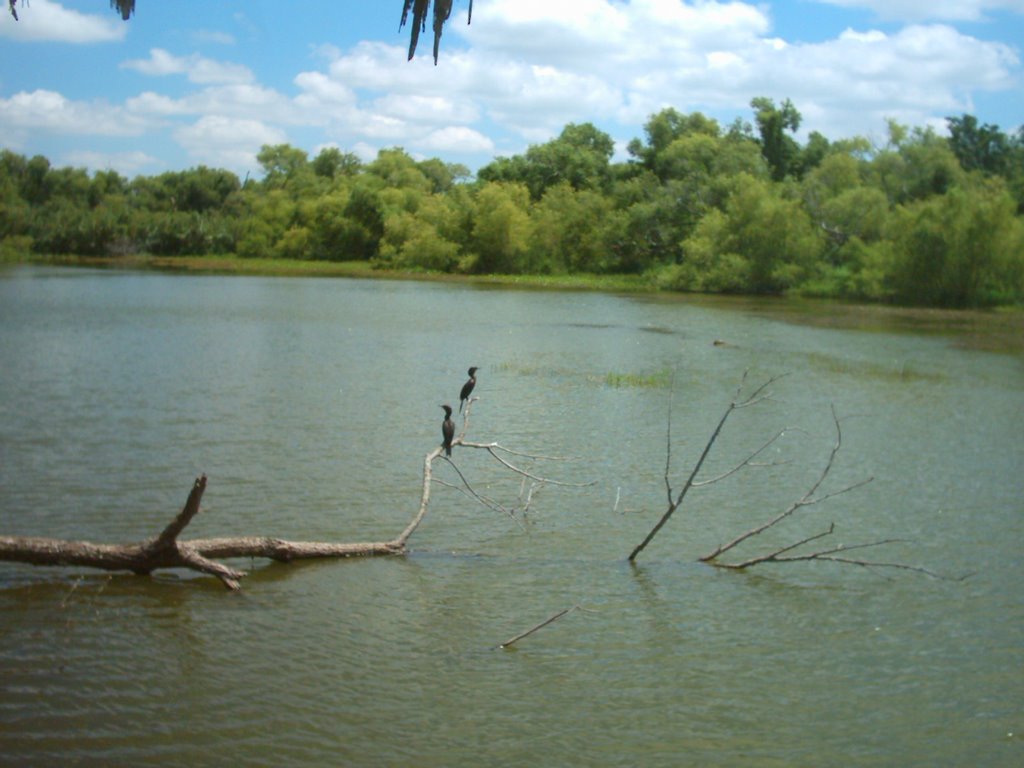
<point>877,564</point>
<point>228,576</point>
<point>837,554</point>
<point>534,488</point>
<point>799,504</point>
<point>493,448</point>
<point>536,627</point>
<point>534,456</point>
<point>486,501</point>
<point>808,499</point>
<point>189,511</point>
<point>424,497</point>
<point>668,437</point>
<point>749,461</point>
<point>757,396</point>
<point>814,494</point>
<point>829,556</point>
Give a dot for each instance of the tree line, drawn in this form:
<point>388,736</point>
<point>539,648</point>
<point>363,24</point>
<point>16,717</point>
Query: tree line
<point>746,208</point>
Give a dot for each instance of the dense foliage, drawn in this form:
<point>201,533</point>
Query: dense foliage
<point>924,219</point>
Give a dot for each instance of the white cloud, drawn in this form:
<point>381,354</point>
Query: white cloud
<point>46,21</point>
<point>934,10</point>
<point>128,164</point>
<point>236,101</point>
<point>151,103</point>
<point>365,152</point>
<point>457,140</point>
<point>51,111</point>
<point>227,142</point>
<point>198,69</point>
<point>535,66</point>
<point>426,109</point>
<point>214,37</point>
<point>851,84</point>
<point>318,88</point>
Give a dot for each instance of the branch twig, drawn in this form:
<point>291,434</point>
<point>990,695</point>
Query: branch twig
<point>531,630</point>
<point>757,396</point>
<point>808,499</point>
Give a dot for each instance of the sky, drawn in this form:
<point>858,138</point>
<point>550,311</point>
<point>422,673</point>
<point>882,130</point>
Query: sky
<point>208,82</point>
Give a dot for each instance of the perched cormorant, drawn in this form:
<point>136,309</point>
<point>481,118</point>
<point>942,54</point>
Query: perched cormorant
<point>447,430</point>
<point>467,388</point>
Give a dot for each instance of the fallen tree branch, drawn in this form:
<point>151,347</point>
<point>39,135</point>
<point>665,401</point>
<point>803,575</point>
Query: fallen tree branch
<point>167,550</point>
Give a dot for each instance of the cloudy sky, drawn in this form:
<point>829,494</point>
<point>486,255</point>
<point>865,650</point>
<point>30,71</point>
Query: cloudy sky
<point>207,82</point>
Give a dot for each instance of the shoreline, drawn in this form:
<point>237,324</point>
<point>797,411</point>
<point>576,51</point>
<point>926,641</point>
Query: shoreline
<point>995,329</point>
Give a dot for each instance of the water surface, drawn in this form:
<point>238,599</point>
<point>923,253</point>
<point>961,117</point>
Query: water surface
<point>310,405</point>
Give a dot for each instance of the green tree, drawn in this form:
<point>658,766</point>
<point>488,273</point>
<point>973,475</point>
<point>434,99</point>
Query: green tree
<point>916,164</point>
<point>500,230</point>
<point>964,248</point>
<point>978,147</point>
<point>328,224</point>
<point>283,164</point>
<point>262,218</point>
<point>569,232</point>
<point>761,242</point>
<point>780,150</point>
<point>15,211</point>
<point>364,212</point>
<point>443,176</point>
<point>579,157</point>
<point>332,163</point>
<point>198,189</point>
<point>664,127</point>
<point>813,153</point>
<point>420,240</point>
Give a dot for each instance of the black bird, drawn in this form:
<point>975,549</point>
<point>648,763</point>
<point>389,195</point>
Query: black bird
<point>447,430</point>
<point>467,388</point>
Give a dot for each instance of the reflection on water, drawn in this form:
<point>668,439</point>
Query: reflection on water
<point>310,405</point>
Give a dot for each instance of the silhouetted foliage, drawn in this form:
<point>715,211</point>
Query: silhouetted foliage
<point>420,10</point>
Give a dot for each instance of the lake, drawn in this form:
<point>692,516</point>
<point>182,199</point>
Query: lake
<point>311,403</point>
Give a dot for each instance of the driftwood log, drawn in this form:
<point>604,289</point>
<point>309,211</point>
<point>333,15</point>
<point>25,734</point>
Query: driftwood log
<point>168,550</point>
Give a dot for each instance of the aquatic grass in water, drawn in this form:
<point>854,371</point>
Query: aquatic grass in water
<point>657,380</point>
<point>898,371</point>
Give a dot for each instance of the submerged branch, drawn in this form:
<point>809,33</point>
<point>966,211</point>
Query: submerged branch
<point>758,395</point>
<point>531,630</point>
<point>808,499</point>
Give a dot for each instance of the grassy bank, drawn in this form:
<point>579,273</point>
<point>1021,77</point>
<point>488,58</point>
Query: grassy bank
<point>233,265</point>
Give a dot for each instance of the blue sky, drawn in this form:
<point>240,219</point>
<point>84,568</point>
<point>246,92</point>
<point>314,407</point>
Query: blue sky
<point>207,82</point>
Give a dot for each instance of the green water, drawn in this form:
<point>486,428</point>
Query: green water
<point>310,405</point>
